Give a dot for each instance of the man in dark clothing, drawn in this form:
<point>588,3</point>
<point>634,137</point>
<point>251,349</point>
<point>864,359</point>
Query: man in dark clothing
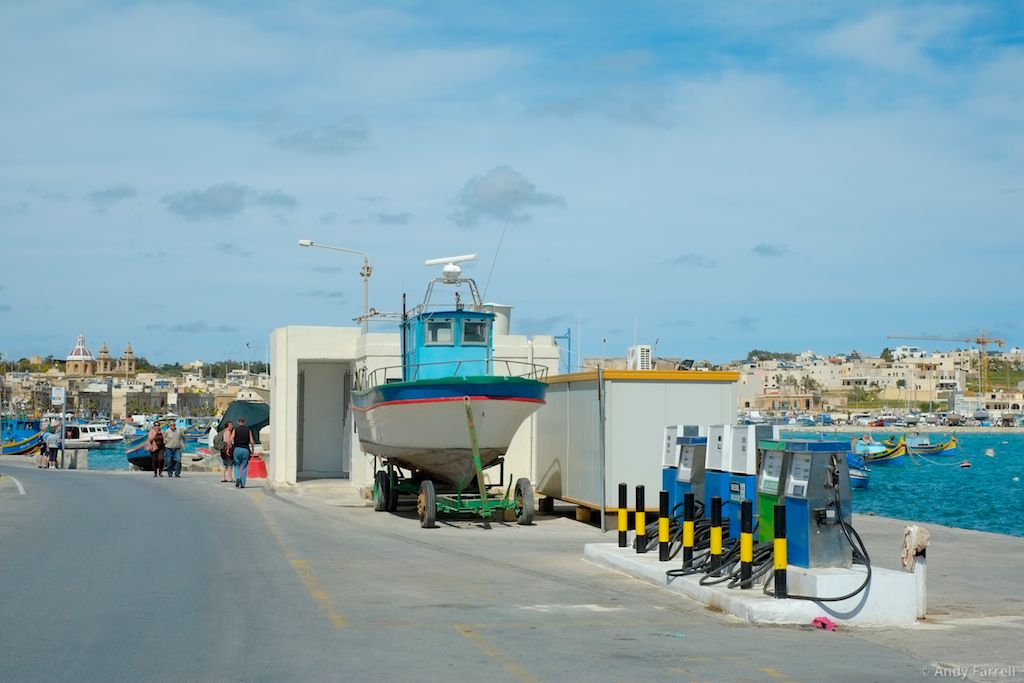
<point>243,449</point>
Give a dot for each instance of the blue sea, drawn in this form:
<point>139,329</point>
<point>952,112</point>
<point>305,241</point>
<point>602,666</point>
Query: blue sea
<point>988,496</point>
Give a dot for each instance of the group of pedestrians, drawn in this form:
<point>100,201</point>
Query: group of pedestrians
<point>47,457</point>
<point>164,450</point>
<point>235,445</point>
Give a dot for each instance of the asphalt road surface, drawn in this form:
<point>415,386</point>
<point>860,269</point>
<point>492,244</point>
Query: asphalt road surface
<point>127,577</point>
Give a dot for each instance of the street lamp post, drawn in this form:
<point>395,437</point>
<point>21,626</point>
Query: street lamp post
<point>365,273</point>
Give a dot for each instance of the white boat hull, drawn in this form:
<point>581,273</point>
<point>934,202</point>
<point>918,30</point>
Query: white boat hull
<point>433,436</point>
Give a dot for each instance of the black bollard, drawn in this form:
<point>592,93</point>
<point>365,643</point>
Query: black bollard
<point>663,527</point>
<point>746,543</point>
<point>641,521</point>
<point>688,515</point>
<point>781,590</point>
<point>623,514</point>
<point>716,536</point>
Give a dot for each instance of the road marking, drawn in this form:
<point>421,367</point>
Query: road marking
<point>774,674</point>
<point>21,489</point>
<point>512,666</point>
<point>301,567</point>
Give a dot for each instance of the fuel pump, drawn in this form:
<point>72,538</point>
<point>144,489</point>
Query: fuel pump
<point>771,485</point>
<point>673,479</point>
<point>740,467</point>
<point>716,478</point>
<point>817,489</point>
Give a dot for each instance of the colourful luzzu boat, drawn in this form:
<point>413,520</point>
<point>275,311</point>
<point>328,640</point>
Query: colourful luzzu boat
<point>19,435</point>
<point>875,453</point>
<point>947,447</point>
<point>451,409</point>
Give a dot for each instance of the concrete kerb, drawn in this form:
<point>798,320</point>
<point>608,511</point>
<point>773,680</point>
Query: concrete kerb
<point>890,600</point>
<point>337,492</point>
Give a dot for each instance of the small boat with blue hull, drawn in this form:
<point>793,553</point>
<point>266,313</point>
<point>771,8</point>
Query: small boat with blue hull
<point>860,473</point>
<point>450,410</point>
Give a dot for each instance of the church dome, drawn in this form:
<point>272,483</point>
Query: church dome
<point>80,353</point>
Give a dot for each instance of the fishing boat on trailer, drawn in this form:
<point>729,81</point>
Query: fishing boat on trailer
<point>450,410</point>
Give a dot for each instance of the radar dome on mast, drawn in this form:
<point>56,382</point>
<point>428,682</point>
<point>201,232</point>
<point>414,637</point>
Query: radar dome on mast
<point>451,270</point>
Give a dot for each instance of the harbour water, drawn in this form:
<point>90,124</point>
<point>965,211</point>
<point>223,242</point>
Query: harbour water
<point>987,496</point>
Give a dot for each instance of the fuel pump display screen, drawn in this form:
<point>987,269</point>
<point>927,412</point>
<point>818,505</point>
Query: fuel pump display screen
<point>771,470</point>
<point>800,473</point>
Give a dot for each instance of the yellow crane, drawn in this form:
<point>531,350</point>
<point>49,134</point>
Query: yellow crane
<point>982,340</point>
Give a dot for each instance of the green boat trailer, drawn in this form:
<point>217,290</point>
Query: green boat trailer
<point>387,487</point>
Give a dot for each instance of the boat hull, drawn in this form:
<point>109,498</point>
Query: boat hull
<point>422,425</point>
<point>22,446</point>
<point>946,448</point>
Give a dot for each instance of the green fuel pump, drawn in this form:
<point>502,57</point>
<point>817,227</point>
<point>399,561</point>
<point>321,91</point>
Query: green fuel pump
<point>771,485</point>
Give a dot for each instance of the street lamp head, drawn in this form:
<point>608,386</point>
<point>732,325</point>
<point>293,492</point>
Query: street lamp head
<point>305,243</point>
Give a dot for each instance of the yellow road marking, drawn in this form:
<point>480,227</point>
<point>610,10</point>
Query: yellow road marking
<point>512,666</point>
<point>301,567</point>
<point>775,674</point>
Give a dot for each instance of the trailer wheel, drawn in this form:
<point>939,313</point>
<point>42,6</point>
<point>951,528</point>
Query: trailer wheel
<point>381,490</point>
<point>426,504</point>
<point>524,502</point>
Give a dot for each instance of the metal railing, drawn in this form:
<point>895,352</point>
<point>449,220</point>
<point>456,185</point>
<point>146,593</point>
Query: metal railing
<point>393,373</point>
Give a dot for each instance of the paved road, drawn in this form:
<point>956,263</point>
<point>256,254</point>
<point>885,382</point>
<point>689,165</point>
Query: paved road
<point>123,577</point>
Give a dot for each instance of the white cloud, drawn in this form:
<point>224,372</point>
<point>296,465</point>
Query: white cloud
<point>499,193</point>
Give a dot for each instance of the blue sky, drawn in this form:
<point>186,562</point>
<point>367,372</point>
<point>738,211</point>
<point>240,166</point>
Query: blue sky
<point>713,177</point>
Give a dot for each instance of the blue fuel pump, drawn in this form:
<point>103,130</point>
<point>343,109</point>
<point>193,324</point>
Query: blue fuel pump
<point>683,470</point>
<point>716,478</point>
<point>818,514</point>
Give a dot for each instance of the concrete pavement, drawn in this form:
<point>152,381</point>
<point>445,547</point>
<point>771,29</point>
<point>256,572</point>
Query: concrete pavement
<point>120,576</point>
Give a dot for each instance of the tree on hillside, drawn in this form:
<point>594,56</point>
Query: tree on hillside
<point>759,355</point>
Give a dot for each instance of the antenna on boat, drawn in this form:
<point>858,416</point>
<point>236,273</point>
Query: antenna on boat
<point>487,285</point>
<point>451,270</point>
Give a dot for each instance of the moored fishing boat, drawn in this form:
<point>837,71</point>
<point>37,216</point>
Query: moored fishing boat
<point>859,471</point>
<point>24,446</point>
<point>947,447</point>
<point>450,410</point>
<point>875,453</point>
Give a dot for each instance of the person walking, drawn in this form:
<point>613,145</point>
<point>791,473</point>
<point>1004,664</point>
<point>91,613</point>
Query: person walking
<point>243,446</point>
<point>173,445</point>
<point>227,455</point>
<point>155,447</point>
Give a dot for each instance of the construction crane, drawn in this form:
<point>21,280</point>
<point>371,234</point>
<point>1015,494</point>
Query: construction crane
<point>982,340</point>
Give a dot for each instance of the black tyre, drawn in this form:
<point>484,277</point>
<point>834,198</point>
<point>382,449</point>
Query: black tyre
<point>381,490</point>
<point>524,502</point>
<point>426,504</point>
